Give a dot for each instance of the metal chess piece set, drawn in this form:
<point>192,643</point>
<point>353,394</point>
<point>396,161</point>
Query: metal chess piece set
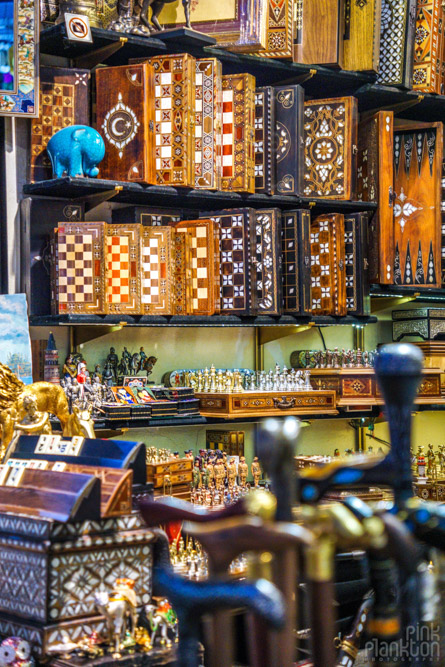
<point>231,382</point>
<point>339,358</point>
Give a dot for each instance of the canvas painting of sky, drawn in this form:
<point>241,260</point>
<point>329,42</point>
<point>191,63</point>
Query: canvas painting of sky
<point>15,343</point>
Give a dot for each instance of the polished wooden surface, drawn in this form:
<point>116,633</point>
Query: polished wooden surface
<point>362,36</point>
<point>318,41</point>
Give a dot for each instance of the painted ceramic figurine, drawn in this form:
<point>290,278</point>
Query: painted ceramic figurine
<point>243,471</point>
<point>421,467</point>
<point>120,611</point>
<point>76,151</point>
<point>16,652</point>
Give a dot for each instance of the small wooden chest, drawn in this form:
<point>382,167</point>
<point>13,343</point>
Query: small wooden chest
<point>258,404</point>
<point>428,323</point>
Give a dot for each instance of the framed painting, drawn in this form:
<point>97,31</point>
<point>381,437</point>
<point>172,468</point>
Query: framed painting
<point>239,25</point>
<point>142,395</point>
<point>134,381</point>
<point>19,73</point>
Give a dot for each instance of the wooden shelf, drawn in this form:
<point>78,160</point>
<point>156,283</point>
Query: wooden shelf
<point>92,190</point>
<point>373,96</point>
<point>319,81</point>
<point>416,293</point>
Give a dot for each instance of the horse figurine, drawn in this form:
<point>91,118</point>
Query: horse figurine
<point>135,19</point>
<point>161,619</point>
<point>120,612</point>
<point>50,398</point>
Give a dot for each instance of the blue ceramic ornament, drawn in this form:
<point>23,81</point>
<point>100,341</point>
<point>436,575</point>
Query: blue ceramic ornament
<point>76,151</point>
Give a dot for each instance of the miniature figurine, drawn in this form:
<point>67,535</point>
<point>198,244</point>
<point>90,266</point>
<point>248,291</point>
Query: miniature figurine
<point>421,467</point>
<point>197,481</point>
<point>97,373</point>
<point>432,468</point>
<point>243,471</point>
<point>108,375</point>
<point>220,474</point>
<point>120,611</point>
<point>256,471</point>
<point>113,360</point>
<point>34,422</point>
<point>16,652</point>
<point>231,473</point>
<point>76,151</point>
<point>162,618</point>
<point>336,452</point>
<point>69,367</point>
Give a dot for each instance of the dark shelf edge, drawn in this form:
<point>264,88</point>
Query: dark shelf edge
<point>217,321</point>
<point>423,294</point>
<point>137,193</point>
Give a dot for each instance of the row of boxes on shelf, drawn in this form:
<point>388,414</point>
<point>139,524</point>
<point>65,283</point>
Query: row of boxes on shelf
<point>304,148</point>
<point>234,262</point>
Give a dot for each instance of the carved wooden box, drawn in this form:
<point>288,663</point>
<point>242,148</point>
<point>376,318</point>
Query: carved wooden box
<point>418,154</point>
<point>148,216</point>
<point>296,249</point>
<point>361,40</point>
<point>375,183</point>
<point>238,150</point>
<point>255,403</point>
<point>319,28</point>
<point>157,253</point>
<point>182,280</point>
<point>64,101</point>
<point>328,282</point>
<point>397,43</point>
<point>330,148</point>
<point>289,151</point>
<point>125,119</point>
<point>231,442</point>
<point>357,387</point>
<point>429,47</point>
<point>266,263</point>
<point>280,29</point>
<point>178,470</point>
<point>175,96</point>
<point>428,323</point>
<point>204,265</point>
<point>235,259</point>
<point>78,268</point>
<point>265,140</point>
<point>358,301</point>
<point>442,210</point>
<point>208,124</point>
<point>59,567</point>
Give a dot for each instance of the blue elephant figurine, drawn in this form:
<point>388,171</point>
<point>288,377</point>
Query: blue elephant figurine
<point>76,151</point>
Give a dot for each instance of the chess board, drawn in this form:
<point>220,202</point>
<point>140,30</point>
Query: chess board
<point>328,284</point>
<point>295,236</point>
<point>265,242</point>
<point>330,148</point>
<point>64,101</point>
<point>264,140</point>
<point>208,124</point>
<point>79,278</point>
<point>204,265</point>
<point>235,259</point>
<point>122,260</point>
<point>397,43</point>
<point>175,98</point>
<point>238,156</point>
<point>157,270</point>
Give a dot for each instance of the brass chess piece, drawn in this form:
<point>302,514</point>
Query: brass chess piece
<point>256,471</point>
<point>243,471</point>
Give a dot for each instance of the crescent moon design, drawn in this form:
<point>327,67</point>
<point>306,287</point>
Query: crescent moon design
<point>113,127</point>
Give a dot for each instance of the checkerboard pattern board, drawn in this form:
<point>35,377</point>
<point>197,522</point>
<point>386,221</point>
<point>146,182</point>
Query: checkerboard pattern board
<point>175,94</point>
<point>235,261</point>
<point>157,270</point>
<point>208,124</point>
<point>79,277</point>
<point>295,235</point>
<point>228,162</point>
<point>350,264</point>
<point>264,140</point>
<point>181,281</point>
<point>204,265</point>
<point>57,112</point>
<point>238,157</point>
<point>122,259</point>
